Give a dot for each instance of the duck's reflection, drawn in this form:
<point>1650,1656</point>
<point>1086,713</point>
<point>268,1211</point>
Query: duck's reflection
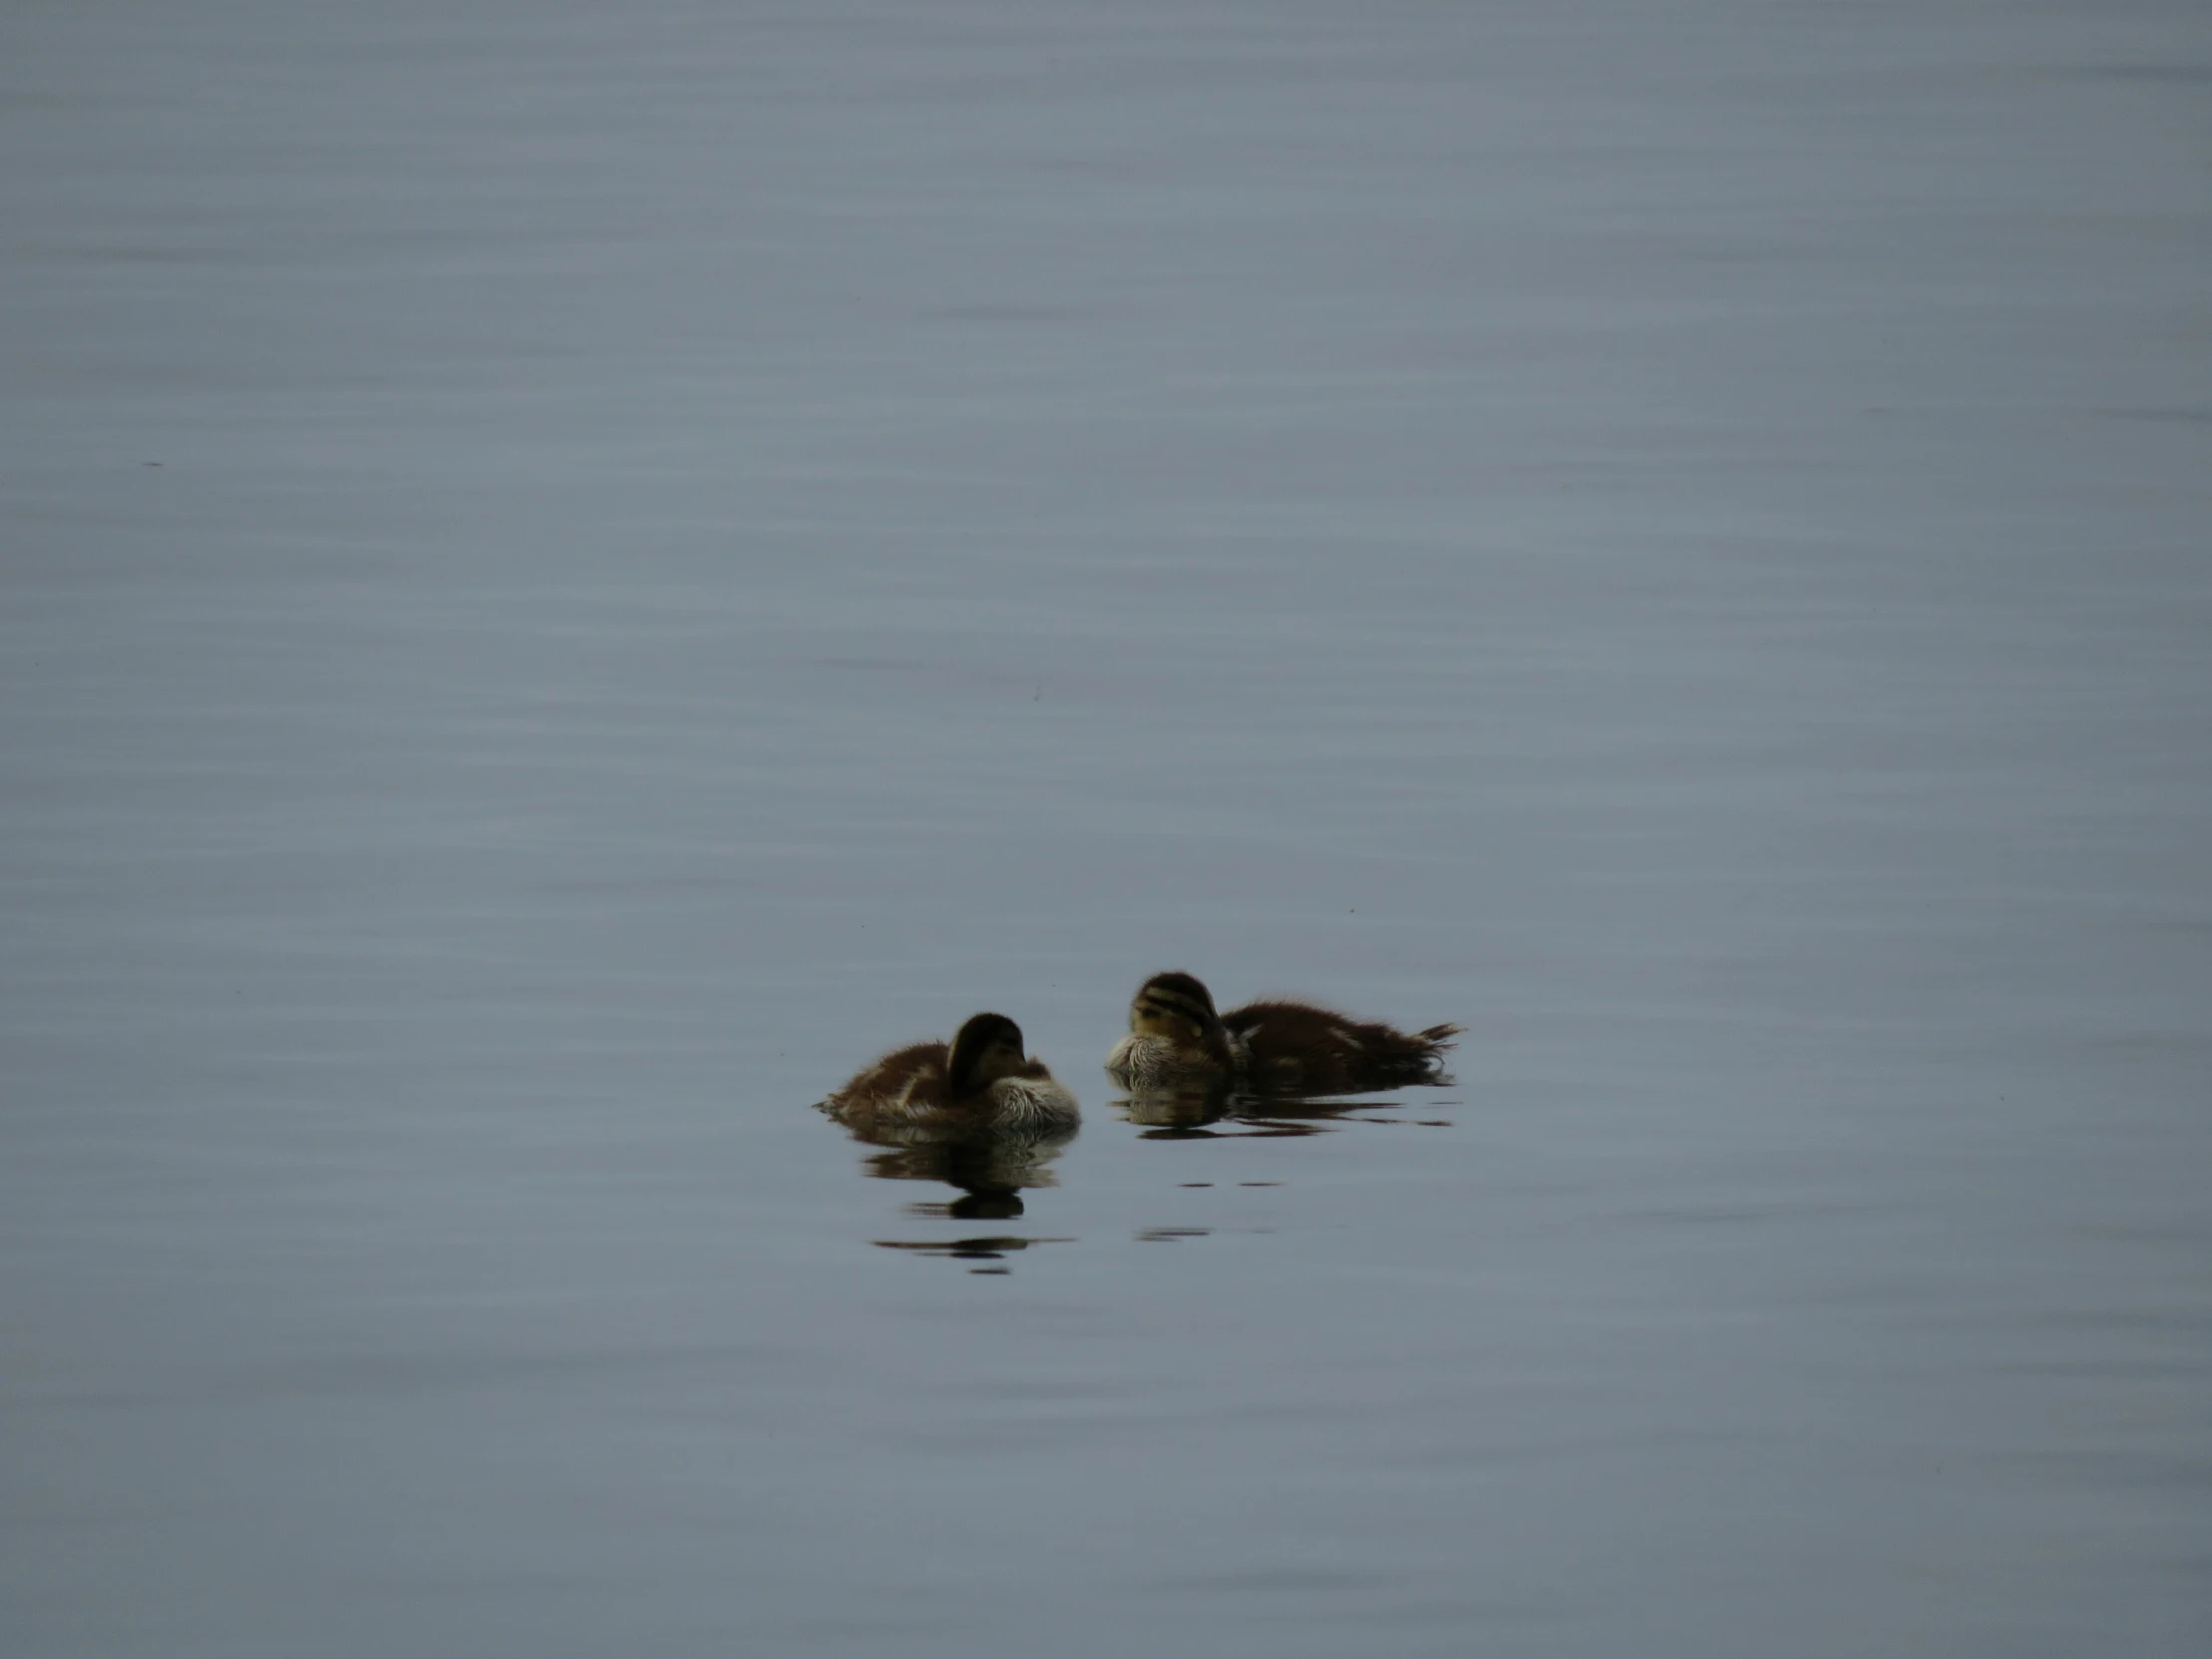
<point>992,1249</point>
<point>990,1168</point>
<point>1200,1114</point>
<point>1172,1114</point>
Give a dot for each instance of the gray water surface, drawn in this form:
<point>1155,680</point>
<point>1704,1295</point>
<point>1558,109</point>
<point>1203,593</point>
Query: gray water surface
<point>571,574</point>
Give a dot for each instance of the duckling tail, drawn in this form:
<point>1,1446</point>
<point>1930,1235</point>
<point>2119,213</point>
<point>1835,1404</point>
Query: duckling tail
<point>1424,1057</point>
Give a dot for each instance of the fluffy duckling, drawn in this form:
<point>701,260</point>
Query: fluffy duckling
<point>981,1080</point>
<point>1176,1041</point>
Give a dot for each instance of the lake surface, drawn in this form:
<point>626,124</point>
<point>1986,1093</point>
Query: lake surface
<point>571,574</point>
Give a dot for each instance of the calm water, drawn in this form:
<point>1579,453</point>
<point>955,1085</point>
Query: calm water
<point>573,573</point>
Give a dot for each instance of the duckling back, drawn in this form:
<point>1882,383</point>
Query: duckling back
<point>1297,1046</point>
<point>905,1086</point>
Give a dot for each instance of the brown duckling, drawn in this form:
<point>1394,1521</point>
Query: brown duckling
<point>1176,1040</point>
<point>982,1079</point>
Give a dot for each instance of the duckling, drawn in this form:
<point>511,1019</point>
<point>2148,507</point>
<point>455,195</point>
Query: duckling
<point>981,1080</point>
<point>1176,1041</point>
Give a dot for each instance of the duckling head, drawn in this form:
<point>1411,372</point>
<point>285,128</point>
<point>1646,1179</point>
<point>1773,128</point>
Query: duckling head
<point>1174,1006</point>
<point>985,1050</point>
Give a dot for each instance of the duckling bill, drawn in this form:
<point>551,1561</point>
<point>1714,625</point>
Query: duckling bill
<point>1176,1040</point>
<point>984,1080</point>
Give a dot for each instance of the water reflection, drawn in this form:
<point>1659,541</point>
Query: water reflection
<point>1173,1113</point>
<point>1195,1114</point>
<point>989,1171</point>
<point>989,1249</point>
<point>989,1167</point>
